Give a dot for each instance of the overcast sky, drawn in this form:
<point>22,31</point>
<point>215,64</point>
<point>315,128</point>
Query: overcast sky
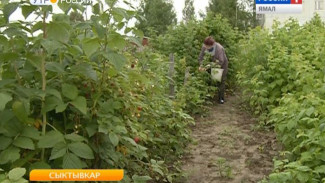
<point>199,5</point>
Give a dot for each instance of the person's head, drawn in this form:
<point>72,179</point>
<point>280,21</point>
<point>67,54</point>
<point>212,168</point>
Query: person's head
<point>208,42</point>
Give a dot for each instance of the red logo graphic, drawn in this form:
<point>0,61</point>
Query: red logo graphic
<point>296,1</point>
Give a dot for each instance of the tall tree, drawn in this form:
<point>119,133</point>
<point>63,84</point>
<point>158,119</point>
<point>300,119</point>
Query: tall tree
<point>239,13</point>
<point>188,11</point>
<point>158,15</point>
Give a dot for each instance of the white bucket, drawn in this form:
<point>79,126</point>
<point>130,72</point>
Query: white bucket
<point>216,74</point>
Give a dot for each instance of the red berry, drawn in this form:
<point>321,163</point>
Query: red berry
<point>132,66</point>
<point>136,139</point>
<point>139,108</point>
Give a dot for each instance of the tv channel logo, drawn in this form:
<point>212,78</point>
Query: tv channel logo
<point>53,2</point>
<point>43,2</point>
<point>278,6</point>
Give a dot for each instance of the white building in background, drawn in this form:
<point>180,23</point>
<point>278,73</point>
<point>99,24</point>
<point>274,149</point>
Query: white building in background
<point>309,8</point>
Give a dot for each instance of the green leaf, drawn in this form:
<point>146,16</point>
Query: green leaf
<point>50,139</point>
<point>321,156</point>
<point>303,168</point>
<point>119,14</point>
<point>75,137</point>
<point>96,9</point>
<point>302,177</point>
<point>16,173</point>
<point>9,57</point>
<point>54,92</point>
<point>26,158</point>
<point>54,67</point>
<point>91,129</point>
<point>4,142</point>
<point>64,6</point>
<point>100,30</point>
<point>39,165</point>
<point>158,170</point>
<point>112,72</point>
<point>37,26</point>
<point>85,70</point>
<point>20,111</point>
<point>90,46</point>
<point>75,50</point>
<point>10,125</point>
<point>322,127</point>
<point>8,9</point>
<point>4,99</point>
<point>34,60</point>
<point>50,46</point>
<point>57,31</point>
<point>127,30</point>
<point>320,169</point>
<point>130,140</point>
<point>31,132</point>
<point>27,10</point>
<point>3,179</point>
<point>131,13</point>
<point>9,155</point>
<point>113,138</point>
<point>140,179</point>
<point>70,91</point>
<point>6,82</point>
<point>82,150</point>
<point>71,161</point>
<point>116,59</point>
<point>170,178</point>
<point>21,180</point>
<point>138,33</point>
<point>61,18</point>
<point>117,105</point>
<point>81,104</point>
<point>3,41</point>
<point>116,40</point>
<point>24,142</point>
<point>106,107</point>
<point>120,129</point>
<point>310,111</point>
<point>60,108</point>
<point>83,26</point>
<point>50,104</point>
<point>136,41</point>
<point>59,150</point>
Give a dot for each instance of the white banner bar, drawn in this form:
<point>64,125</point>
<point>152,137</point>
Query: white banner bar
<point>278,8</point>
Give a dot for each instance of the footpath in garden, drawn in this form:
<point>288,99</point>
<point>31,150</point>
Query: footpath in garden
<point>228,147</point>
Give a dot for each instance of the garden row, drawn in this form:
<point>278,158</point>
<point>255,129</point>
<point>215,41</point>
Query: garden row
<point>76,94</point>
<point>283,75</point>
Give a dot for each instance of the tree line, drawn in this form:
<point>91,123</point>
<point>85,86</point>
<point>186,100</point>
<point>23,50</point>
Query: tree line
<point>157,15</point>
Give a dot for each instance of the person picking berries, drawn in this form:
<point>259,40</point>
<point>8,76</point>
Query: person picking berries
<point>217,53</point>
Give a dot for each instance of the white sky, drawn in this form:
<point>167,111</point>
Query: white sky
<point>199,5</point>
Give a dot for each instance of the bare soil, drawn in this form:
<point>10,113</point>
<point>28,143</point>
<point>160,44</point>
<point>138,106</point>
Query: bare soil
<point>228,147</point>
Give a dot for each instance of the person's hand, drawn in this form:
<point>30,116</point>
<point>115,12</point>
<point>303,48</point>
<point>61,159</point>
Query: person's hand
<point>201,69</point>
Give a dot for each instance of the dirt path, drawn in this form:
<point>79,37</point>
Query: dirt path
<point>229,148</point>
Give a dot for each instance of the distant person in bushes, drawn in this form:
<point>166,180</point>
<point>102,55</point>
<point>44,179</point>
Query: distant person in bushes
<point>217,52</point>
